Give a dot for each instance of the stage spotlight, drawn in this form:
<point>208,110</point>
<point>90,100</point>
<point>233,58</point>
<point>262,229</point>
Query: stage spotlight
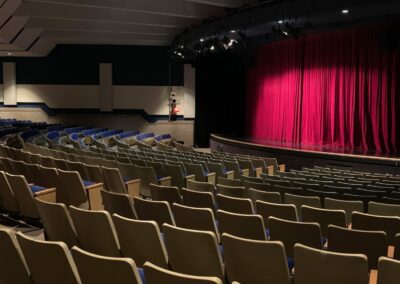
<point>345,11</point>
<point>280,22</point>
<point>280,32</point>
<point>202,39</point>
<point>233,31</point>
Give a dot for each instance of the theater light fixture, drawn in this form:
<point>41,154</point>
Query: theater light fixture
<point>345,11</point>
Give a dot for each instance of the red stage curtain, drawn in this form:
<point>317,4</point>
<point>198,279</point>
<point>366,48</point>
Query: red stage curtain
<point>335,88</point>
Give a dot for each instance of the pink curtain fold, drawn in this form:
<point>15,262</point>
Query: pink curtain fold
<point>336,89</point>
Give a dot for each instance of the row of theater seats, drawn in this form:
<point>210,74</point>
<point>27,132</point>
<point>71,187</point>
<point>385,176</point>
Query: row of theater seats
<point>45,262</point>
<point>201,251</point>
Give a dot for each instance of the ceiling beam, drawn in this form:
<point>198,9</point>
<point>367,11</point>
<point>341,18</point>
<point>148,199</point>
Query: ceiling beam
<point>176,8</point>
<point>83,25</point>
<point>223,3</point>
<point>57,11</point>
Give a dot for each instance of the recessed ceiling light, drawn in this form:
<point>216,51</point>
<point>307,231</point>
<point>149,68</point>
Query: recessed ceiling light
<point>345,11</point>
<point>212,47</point>
<point>233,31</point>
<point>280,22</point>
<point>202,39</point>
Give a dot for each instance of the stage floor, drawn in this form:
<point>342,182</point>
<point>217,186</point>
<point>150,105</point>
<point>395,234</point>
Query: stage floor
<point>315,148</point>
<point>298,156</point>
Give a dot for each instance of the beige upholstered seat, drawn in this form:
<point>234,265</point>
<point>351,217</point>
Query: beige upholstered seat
<point>95,269</point>
<point>255,194</point>
<point>57,222</point>
<point>7,197</point>
<point>193,252</point>
<point>281,211</point>
<point>235,205</point>
<point>315,266</point>
<point>383,209</point>
<point>193,218</point>
<point>118,203</point>
<point>158,211</point>
<point>141,241</point>
<point>170,194</point>
<point>290,233</point>
<point>371,243</point>
<point>198,199</point>
<point>73,189</point>
<point>95,231</point>
<point>349,206</point>
<point>48,262</point>
<point>388,271</point>
<point>157,275</point>
<point>241,225</point>
<point>368,222</point>
<point>13,268</point>
<point>24,195</point>
<point>324,217</point>
<point>201,186</point>
<point>298,201</point>
<point>233,191</point>
<point>256,262</point>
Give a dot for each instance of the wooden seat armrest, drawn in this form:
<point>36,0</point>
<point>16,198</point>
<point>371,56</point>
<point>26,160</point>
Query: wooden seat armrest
<point>133,187</point>
<point>94,186</point>
<point>94,196</point>
<point>48,195</point>
<point>282,168</point>
<point>258,171</point>
<point>230,175</point>
<point>245,172</point>
<point>211,177</point>
<point>191,177</point>
<point>165,181</point>
<point>270,170</point>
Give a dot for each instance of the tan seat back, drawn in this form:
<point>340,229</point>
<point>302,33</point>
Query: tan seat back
<point>117,203</point>
<point>324,217</point>
<point>290,233</point>
<point>13,268</point>
<point>94,269</point>
<point>298,201</point>
<point>388,271</point>
<point>157,275</point>
<point>8,199</point>
<point>57,222</point>
<point>256,262</point>
<point>383,209</point>
<point>74,190</point>
<point>193,252</point>
<point>349,206</point>
<point>369,222</point>
<point>24,196</point>
<point>48,262</point>
<point>281,211</point>
<point>170,194</point>
<point>200,186</point>
<point>158,211</point>
<point>193,218</point>
<point>141,241</point>
<point>315,266</point>
<point>371,243</point>
<point>235,205</point>
<point>198,199</point>
<point>113,180</point>
<point>241,225</point>
<point>95,231</point>
<point>233,191</point>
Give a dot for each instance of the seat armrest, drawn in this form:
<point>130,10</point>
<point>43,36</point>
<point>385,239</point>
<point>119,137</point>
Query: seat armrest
<point>258,171</point>
<point>282,168</point>
<point>270,170</point>
<point>94,196</point>
<point>245,172</point>
<point>189,177</point>
<point>230,175</point>
<point>133,187</point>
<point>165,181</point>
<point>211,177</point>
<point>48,195</point>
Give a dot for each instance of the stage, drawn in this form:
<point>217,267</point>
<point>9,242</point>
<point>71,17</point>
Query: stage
<point>298,156</point>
